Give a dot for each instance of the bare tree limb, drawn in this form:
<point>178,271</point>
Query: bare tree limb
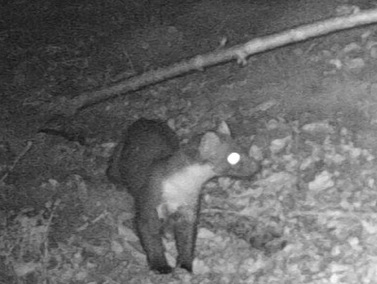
<point>238,52</point>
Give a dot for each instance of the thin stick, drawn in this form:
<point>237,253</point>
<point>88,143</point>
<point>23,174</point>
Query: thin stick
<point>16,160</point>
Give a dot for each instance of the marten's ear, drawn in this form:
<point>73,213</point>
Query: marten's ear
<point>223,128</point>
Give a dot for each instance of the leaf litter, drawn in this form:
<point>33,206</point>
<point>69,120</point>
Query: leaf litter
<point>307,217</point>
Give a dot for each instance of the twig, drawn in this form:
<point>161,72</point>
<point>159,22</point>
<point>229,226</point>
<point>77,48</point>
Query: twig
<point>16,160</point>
<point>239,52</point>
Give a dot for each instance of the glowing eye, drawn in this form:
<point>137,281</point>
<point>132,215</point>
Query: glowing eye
<point>233,158</point>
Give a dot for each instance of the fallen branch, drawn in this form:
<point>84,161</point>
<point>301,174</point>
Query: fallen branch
<point>238,52</point>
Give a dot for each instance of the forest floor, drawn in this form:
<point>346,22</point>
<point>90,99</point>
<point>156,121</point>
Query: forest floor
<point>307,112</point>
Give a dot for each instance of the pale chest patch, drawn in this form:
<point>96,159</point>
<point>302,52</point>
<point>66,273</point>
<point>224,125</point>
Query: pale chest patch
<point>183,188</point>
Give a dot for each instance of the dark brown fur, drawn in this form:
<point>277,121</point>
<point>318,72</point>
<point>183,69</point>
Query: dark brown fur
<point>149,158</point>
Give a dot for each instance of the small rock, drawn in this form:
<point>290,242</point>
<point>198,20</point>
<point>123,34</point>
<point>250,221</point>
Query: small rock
<point>366,35</point>
<point>351,47</point>
<point>369,227</point>
<point>315,127</point>
<point>272,124</point>
<point>345,10</point>
<point>336,62</point>
<point>278,145</point>
<point>256,153</point>
<point>200,267</point>
<point>373,52</point>
<point>327,53</point>
<point>298,52</point>
<point>116,247</point>
<point>355,64</point>
<point>205,234</point>
<point>127,233</point>
<point>266,105</point>
<point>322,181</point>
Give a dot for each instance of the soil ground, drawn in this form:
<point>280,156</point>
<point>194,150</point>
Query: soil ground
<point>308,109</point>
